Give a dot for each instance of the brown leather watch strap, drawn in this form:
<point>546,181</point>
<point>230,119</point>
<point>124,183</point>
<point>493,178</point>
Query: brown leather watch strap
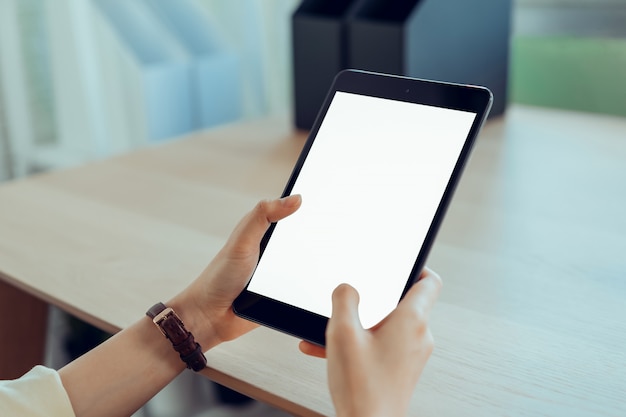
<point>172,327</point>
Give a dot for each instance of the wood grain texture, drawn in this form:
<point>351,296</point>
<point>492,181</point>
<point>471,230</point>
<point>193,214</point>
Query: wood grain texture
<point>532,317</point>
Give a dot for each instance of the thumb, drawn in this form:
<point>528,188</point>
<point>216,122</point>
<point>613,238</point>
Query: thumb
<point>345,307</point>
<point>253,226</point>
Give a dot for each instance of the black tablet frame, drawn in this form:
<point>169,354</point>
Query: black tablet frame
<point>311,326</point>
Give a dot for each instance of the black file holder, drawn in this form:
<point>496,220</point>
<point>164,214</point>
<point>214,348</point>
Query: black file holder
<point>319,53</point>
<point>461,41</point>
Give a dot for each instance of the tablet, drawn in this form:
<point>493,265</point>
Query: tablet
<point>376,175</point>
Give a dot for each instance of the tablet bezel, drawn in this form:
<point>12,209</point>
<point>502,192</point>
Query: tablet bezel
<point>311,326</point>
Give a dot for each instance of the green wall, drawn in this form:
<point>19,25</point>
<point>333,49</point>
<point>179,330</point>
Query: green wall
<point>587,74</point>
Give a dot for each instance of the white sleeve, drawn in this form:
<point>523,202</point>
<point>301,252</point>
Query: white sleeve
<point>37,393</point>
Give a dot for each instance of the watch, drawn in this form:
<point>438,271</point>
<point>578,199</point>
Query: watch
<point>172,327</point>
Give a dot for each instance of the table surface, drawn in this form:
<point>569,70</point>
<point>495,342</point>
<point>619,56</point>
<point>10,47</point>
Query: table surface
<point>532,317</point>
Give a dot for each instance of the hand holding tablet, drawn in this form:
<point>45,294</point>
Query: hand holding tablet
<point>376,176</point>
<point>374,372</point>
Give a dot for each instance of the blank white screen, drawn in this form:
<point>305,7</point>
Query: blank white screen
<point>370,187</point>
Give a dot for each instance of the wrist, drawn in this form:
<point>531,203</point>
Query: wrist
<point>196,322</point>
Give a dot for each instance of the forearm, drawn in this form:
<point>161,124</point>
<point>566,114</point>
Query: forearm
<point>120,375</point>
<point>123,373</point>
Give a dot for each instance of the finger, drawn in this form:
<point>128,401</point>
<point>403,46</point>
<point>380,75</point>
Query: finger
<point>422,274</point>
<point>424,293</point>
<point>427,271</point>
<point>345,307</point>
<point>254,225</point>
<point>271,211</point>
<point>312,350</point>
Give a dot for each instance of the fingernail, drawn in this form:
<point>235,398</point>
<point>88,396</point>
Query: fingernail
<point>291,199</point>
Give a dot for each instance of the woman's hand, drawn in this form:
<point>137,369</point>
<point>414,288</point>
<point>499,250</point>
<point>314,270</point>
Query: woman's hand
<point>374,372</point>
<point>120,375</point>
<point>211,295</point>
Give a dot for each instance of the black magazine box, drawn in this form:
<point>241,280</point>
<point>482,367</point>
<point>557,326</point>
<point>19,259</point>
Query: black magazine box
<point>319,53</point>
<point>461,41</point>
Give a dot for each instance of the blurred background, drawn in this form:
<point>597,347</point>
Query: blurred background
<point>82,80</point>
<point>86,79</point>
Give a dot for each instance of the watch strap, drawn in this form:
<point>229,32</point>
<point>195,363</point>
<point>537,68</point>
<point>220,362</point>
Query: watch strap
<point>173,328</point>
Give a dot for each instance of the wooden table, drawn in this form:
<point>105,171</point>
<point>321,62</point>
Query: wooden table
<point>532,318</point>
